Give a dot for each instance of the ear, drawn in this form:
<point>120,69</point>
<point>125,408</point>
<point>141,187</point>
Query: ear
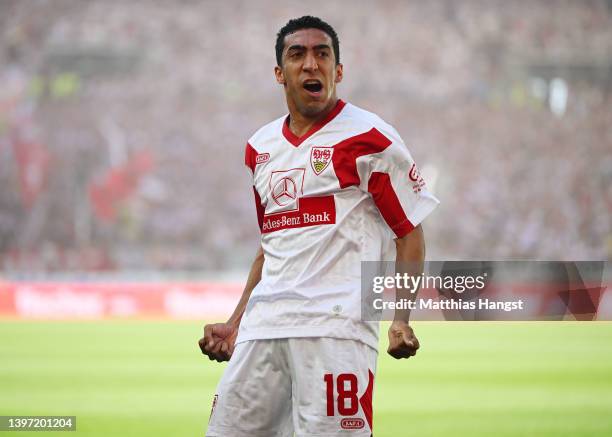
<point>280,77</point>
<point>339,73</point>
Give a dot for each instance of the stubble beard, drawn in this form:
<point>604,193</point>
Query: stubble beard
<point>314,109</point>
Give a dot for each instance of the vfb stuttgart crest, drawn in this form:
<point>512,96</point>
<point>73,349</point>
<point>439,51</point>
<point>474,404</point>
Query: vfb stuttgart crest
<point>320,157</point>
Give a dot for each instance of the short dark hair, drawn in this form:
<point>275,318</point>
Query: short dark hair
<point>305,22</point>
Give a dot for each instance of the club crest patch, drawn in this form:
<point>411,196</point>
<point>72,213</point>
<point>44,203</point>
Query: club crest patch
<point>320,157</point>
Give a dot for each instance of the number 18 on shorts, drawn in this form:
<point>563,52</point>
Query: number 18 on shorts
<point>315,387</point>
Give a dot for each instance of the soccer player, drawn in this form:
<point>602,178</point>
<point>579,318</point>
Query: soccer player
<point>333,185</point>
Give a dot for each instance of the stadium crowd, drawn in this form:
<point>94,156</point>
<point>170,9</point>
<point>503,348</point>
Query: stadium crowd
<point>122,125</point>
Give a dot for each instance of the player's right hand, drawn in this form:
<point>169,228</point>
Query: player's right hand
<point>218,341</point>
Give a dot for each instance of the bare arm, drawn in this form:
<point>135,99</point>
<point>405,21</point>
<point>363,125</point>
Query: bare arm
<point>252,281</point>
<point>410,258</point>
<point>219,338</point>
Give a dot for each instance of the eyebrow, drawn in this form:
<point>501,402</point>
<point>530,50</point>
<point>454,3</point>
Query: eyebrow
<point>301,47</point>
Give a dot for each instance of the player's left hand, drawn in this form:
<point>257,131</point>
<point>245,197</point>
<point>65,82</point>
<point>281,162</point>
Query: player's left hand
<point>402,341</point>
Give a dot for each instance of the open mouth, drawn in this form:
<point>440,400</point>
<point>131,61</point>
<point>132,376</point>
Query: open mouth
<point>313,86</point>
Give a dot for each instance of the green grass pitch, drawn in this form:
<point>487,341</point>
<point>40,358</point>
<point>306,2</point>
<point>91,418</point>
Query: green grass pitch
<point>136,378</point>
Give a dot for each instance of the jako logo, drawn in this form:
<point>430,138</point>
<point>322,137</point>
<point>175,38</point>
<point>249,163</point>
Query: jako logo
<point>355,423</point>
<point>261,158</point>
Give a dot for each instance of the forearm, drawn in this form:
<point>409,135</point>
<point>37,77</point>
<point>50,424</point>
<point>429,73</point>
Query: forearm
<point>252,281</point>
<point>409,260</point>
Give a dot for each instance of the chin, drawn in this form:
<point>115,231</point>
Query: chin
<point>312,109</point>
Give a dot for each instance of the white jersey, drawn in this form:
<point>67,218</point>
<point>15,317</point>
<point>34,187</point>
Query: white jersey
<point>326,201</point>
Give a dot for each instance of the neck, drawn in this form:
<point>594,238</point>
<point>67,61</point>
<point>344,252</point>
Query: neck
<point>299,123</point>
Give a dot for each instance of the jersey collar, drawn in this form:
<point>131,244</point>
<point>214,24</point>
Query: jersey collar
<point>295,140</point>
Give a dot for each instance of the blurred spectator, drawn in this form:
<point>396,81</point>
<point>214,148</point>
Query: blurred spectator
<point>122,125</point>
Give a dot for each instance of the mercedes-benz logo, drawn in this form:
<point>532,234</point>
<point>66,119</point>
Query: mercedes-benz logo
<point>285,191</point>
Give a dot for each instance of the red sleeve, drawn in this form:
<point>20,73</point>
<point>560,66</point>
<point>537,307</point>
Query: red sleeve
<point>259,207</point>
<point>250,156</point>
<point>250,160</point>
<point>387,202</point>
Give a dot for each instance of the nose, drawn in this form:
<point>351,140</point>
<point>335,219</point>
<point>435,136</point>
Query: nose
<point>310,62</point>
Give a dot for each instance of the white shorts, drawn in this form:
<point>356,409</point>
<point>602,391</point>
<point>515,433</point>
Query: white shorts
<point>315,387</point>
